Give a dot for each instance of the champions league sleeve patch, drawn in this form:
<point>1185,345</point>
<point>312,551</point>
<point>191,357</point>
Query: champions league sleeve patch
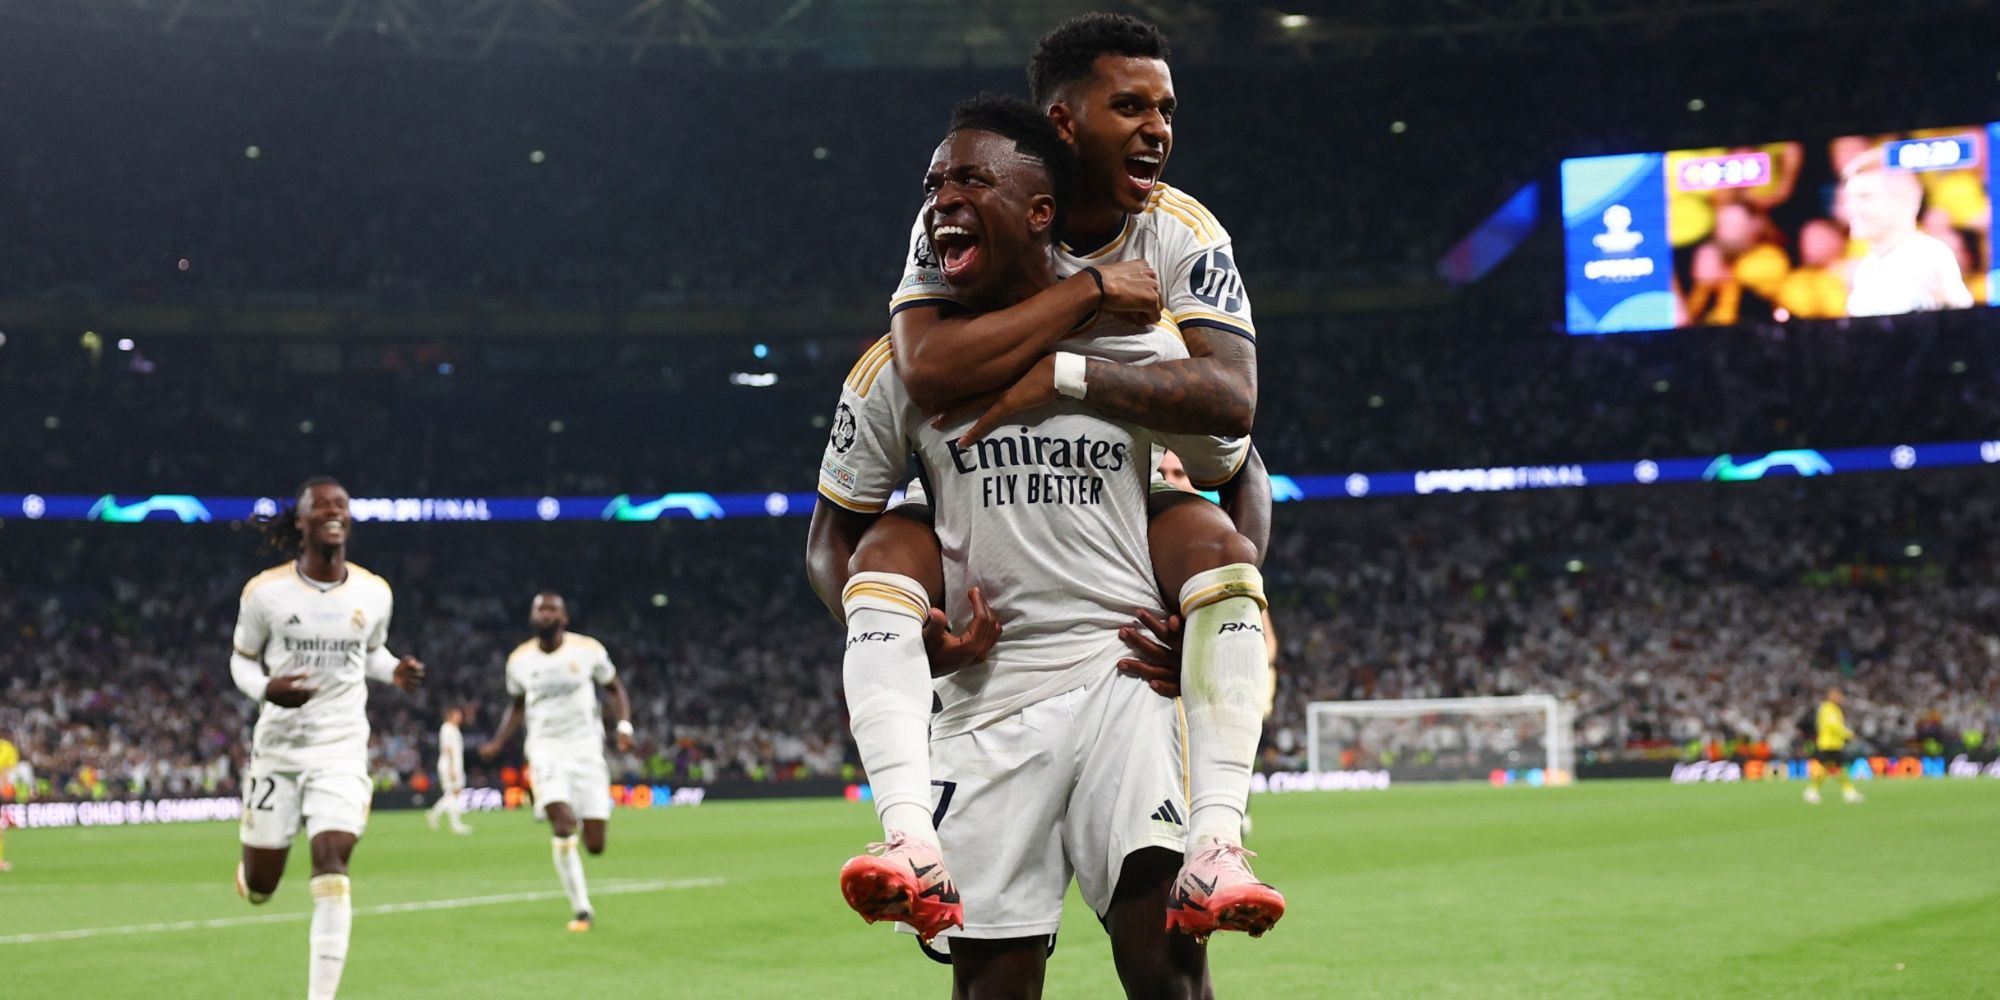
<point>842,437</point>
<point>922,254</point>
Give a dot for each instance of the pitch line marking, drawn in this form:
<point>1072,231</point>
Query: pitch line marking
<point>419,906</point>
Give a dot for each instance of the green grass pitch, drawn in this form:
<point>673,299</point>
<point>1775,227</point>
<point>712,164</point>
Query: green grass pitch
<point>1626,889</point>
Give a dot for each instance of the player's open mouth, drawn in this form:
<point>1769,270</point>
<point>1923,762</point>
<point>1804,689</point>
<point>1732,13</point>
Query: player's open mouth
<point>958,249</point>
<point>1143,170</point>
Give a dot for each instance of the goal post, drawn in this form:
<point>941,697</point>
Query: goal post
<point>1527,738</point>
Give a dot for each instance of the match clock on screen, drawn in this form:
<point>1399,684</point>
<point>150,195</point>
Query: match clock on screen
<point>1713,173</point>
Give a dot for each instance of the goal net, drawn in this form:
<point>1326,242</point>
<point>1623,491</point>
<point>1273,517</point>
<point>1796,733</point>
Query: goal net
<point>1517,739</point>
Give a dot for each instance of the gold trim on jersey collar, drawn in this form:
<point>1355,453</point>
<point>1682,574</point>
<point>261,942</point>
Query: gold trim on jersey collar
<point>1123,235</point>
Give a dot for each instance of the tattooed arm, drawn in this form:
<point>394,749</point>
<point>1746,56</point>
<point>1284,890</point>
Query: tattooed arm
<point>1213,392</point>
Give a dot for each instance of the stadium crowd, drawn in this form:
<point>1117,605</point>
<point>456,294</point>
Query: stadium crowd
<point>1409,391</point>
<point>1697,620</point>
<point>1688,617</point>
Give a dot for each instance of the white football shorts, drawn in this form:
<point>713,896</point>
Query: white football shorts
<point>332,795</point>
<point>1068,786</point>
<point>574,775</point>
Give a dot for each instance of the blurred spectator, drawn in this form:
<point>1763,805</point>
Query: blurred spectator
<point>1691,618</point>
<point>1453,389</point>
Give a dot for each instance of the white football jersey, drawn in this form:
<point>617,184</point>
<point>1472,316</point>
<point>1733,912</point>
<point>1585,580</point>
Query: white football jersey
<point>1199,287</point>
<point>561,691</point>
<point>1918,274</point>
<point>1189,250</point>
<point>451,755</point>
<point>1047,517</point>
<point>291,625</point>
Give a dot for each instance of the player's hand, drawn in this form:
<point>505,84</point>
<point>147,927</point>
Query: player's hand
<point>624,742</point>
<point>1037,388</point>
<point>1158,659</point>
<point>1131,292</point>
<point>490,749</point>
<point>948,652</point>
<point>289,690</point>
<point>409,673</point>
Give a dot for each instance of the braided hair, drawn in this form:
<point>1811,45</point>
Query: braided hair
<point>281,531</point>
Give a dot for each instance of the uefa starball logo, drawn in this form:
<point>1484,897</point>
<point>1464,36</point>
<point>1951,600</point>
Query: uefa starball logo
<point>1618,236</point>
<point>842,437</point>
<point>923,255</point>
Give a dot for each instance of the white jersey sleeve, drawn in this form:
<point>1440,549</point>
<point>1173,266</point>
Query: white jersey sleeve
<point>1200,284</point>
<point>868,450</point>
<point>602,672</point>
<point>1210,462</point>
<point>514,686</point>
<point>923,281</point>
<point>253,632</point>
<point>379,664</point>
<point>378,634</point>
<point>253,629</point>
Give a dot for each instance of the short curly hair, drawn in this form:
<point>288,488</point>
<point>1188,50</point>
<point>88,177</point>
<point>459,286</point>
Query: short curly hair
<point>1029,129</point>
<point>1070,52</point>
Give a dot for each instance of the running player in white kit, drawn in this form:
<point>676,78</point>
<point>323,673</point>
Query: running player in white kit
<point>450,772</point>
<point>554,679</point>
<point>309,636</point>
<point>1048,762</point>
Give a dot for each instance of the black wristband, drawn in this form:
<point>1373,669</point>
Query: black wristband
<point>1097,276</point>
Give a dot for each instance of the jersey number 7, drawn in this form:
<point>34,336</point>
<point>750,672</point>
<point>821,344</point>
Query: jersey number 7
<point>944,801</point>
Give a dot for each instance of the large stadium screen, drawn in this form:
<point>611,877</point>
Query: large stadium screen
<point>1861,225</point>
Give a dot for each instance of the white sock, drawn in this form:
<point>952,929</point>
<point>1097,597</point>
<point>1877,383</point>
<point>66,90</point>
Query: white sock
<point>887,679</point>
<point>1222,689</point>
<point>332,920</point>
<point>569,868</point>
<point>453,809</point>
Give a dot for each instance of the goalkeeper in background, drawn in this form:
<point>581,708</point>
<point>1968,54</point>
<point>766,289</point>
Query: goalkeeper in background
<point>1830,749</point>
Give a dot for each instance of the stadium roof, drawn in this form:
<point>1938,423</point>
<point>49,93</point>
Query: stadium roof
<point>756,33</point>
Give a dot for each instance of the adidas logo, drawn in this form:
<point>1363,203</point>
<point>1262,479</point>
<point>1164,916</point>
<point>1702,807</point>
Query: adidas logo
<point>294,621</point>
<point>1167,813</point>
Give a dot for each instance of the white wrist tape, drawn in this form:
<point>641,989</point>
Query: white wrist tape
<point>1070,371</point>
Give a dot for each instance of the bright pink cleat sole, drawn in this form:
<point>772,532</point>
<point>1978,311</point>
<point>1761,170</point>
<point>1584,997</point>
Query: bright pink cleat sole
<point>1252,909</point>
<point>879,889</point>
